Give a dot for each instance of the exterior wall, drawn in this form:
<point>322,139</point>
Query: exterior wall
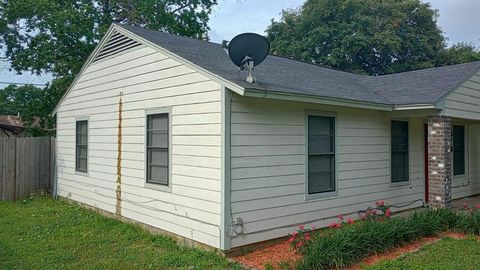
<point>464,101</point>
<point>268,166</point>
<point>148,80</point>
<point>469,184</point>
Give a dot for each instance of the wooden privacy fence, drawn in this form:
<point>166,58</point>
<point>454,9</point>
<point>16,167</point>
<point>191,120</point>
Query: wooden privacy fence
<point>27,165</point>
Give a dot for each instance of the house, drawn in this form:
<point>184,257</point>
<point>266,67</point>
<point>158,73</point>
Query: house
<point>11,126</point>
<point>160,129</point>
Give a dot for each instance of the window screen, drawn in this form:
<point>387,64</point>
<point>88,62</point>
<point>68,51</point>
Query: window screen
<point>157,149</point>
<point>399,151</point>
<point>458,150</point>
<point>81,149</point>
<point>321,154</point>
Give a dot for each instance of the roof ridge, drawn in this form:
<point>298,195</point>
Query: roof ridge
<point>426,69</point>
<point>297,60</point>
<point>285,74</point>
<point>272,55</point>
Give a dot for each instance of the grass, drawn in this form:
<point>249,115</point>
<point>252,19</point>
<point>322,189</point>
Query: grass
<point>447,253</point>
<point>40,233</point>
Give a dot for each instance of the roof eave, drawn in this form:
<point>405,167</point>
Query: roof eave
<point>317,99</point>
<point>409,107</point>
<point>230,85</point>
<point>85,65</point>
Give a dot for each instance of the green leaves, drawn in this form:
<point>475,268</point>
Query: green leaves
<point>57,36</point>
<point>365,36</point>
<point>350,244</point>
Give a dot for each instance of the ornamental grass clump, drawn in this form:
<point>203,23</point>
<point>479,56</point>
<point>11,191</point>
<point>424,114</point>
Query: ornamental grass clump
<point>348,242</point>
<point>468,220</point>
<point>343,245</point>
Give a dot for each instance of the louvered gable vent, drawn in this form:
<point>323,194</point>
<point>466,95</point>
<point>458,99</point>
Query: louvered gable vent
<point>116,44</point>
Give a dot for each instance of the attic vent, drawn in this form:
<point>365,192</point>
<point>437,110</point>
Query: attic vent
<point>116,44</point>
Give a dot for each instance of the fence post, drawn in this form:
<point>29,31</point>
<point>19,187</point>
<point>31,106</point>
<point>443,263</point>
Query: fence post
<point>53,167</point>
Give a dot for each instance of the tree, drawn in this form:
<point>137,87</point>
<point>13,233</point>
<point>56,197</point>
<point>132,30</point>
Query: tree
<point>457,54</point>
<point>33,104</point>
<point>364,36</point>
<point>57,36</point>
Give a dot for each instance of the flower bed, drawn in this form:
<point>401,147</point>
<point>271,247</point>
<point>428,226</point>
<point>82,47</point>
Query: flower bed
<point>347,241</point>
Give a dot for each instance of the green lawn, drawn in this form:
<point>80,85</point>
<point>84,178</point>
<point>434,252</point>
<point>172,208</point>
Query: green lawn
<point>40,233</point>
<point>447,253</point>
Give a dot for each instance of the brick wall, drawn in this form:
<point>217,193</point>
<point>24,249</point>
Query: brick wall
<point>439,160</point>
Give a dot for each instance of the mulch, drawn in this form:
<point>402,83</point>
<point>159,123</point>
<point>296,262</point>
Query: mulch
<point>283,253</point>
<point>274,254</point>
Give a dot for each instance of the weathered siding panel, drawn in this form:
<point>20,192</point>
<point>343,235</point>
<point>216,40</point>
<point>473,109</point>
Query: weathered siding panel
<point>148,80</point>
<point>464,102</point>
<point>268,166</point>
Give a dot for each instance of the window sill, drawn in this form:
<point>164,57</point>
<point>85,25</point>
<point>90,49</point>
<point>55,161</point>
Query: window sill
<point>318,196</point>
<point>400,184</point>
<point>159,187</point>
<point>82,173</point>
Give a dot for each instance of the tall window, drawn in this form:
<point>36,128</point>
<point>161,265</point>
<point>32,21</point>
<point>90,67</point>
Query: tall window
<point>399,151</point>
<point>458,150</point>
<point>321,154</point>
<point>81,149</point>
<point>157,149</point>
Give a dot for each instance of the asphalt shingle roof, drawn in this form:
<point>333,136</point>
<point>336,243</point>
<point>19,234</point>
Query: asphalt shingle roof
<point>279,74</point>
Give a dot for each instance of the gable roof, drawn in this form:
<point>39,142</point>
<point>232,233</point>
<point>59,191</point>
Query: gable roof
<point>277,74</point>
<point>424,86</point>
<point>280,74</point>
<point>283,75</point>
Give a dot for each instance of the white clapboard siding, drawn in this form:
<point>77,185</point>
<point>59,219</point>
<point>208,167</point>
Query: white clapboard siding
<point>147,80</point>
<point>268,166</point>
<point>469,184</point>
<point>463,101</point>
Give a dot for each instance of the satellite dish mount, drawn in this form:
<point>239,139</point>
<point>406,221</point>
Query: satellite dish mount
<point>247,51</point>
<point>247,64</point>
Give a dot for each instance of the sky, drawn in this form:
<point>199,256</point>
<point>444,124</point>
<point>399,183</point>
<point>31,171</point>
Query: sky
<point>459,20</point>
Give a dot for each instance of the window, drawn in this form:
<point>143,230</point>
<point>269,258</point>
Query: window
<point>81,149</point>
<point>321,154</point>
<point>458,150</point>
<point>157,149</point>
<point>399,151</point>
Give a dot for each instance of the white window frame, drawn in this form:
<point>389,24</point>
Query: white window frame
<point>327,194</point>
<point>162,110</point>
<point>407,182</point>
<point>78,119</point>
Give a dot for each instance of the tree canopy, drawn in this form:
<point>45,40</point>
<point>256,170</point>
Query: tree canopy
<point>57,36</point>
<point>366,36</point>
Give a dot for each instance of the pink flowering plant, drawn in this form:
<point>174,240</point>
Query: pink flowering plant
<point>300,237</point>
<point>341,222</point>
<point>380,211</point>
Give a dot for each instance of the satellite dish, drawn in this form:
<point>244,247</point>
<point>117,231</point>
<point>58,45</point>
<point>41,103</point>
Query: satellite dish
<point>247,51</point>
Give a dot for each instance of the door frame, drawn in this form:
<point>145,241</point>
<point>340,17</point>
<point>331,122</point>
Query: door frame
<point>425,160</point>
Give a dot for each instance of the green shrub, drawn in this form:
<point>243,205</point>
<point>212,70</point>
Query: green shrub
<point>342,247</point>
<point>468,221</point>
<point>346,243</point>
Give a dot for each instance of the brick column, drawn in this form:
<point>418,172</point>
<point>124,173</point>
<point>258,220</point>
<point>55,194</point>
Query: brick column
<point>439,161</point>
